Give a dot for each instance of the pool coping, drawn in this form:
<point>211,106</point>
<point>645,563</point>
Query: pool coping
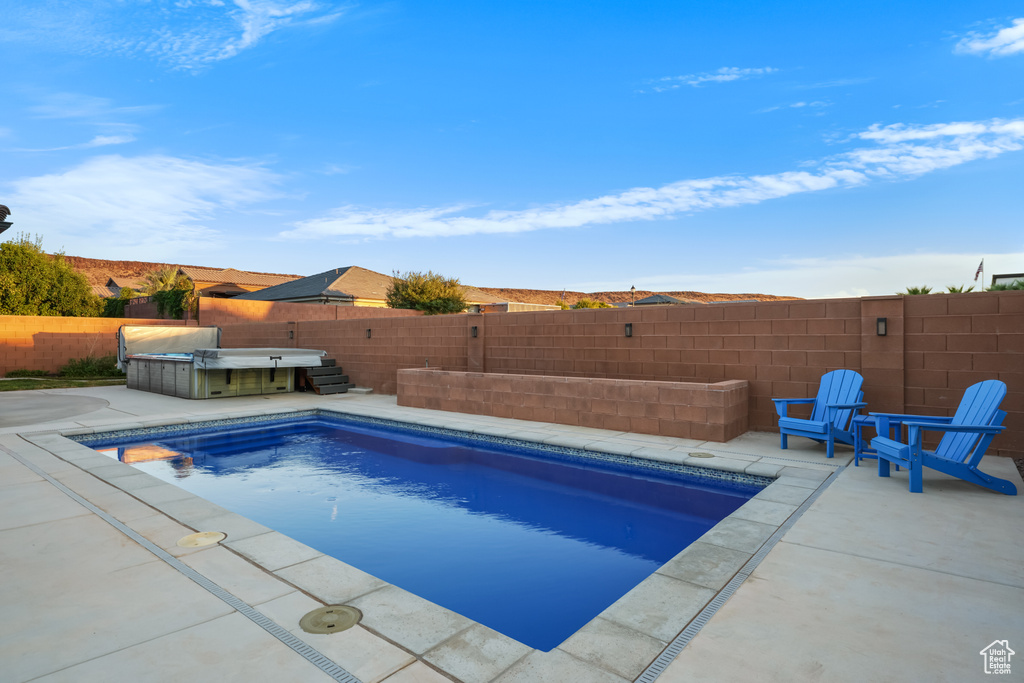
<point>619,644</point>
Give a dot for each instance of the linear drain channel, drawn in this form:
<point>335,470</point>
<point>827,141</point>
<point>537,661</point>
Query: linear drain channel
<point>302,648</point>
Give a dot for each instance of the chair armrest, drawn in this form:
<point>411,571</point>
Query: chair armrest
<point>900,417</point>
<point>782,404</point>
<point>844,406</point>
<point>977,429</point>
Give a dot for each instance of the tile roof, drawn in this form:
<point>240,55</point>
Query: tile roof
<point>657,299</point>
<point>345,284</point>
<point>236,277</point>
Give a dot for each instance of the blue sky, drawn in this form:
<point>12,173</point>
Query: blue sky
<point>828,149</point>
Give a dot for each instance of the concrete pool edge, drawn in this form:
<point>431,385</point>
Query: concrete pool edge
<point>617,645</point>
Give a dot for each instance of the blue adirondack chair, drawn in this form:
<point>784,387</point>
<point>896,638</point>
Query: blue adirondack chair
<point>967,434</point>
<point>838,400</point>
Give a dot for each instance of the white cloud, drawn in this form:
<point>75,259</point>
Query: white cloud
<point>1003,43</point>
<point>723,75</point>
<point>113,204</point>
<point>98,141</point>
<point>838,275</point>
<point>186,34</point>
<point>902,152</point>
<point>816,106</point>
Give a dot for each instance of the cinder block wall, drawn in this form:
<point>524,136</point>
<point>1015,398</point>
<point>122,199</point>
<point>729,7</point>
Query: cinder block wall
<point>48,342</point>
<point>935,347</point>
<point>691,410</point>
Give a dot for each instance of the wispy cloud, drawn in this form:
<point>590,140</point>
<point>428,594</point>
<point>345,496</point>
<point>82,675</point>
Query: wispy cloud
<point>838,275</point>
<point>159,202</point>
<point>67,105</point>
<point>185,34</point>
<point>837,83</point>
<point>815,106</point>
<point>98,141</point>
<point>901,152</point>
<point>723,75</point>
<point>1003,43</point>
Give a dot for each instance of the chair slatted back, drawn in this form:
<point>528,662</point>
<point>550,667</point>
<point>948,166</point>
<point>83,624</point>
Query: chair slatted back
<point>979,406</point>
<point>838,386</point>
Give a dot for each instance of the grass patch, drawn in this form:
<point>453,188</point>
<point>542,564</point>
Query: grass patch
<point>27,384</point>
<point>28,373</point>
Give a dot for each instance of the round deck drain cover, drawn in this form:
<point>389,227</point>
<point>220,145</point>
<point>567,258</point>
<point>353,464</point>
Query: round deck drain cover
<point>702,455</point>
<point>201,539</point>
<point>330,619</point>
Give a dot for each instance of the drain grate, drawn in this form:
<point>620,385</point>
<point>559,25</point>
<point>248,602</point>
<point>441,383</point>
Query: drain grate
<point>302,648</point>
<point>674,648</point>
<point>330,619</point>
<point>702,455</point>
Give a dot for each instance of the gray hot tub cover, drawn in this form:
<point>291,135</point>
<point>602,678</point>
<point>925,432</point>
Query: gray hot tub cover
<point>234,359</point>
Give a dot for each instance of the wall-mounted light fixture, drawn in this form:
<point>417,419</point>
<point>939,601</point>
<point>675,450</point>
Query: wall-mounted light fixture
<point>473,331</point>
<point>291,334</point>
<point>881,327</point>
<point>368,333</point>
<point>629,329</point>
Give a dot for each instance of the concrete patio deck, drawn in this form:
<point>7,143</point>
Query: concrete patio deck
<point>870,583</point>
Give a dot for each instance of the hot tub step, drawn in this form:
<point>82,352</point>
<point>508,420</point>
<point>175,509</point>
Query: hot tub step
<point>332,389</point>
<point>321,372</point>
<point>328,379</point>
<point>327,362</point>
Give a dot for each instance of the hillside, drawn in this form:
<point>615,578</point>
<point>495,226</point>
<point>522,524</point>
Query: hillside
<point>541,296</point>
<point>98,271</point>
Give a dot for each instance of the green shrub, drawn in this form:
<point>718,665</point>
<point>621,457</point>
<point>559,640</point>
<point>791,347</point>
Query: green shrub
<point>35,283</point>
<point>428,292</point>
<point>92,366</point>
<point>590,303</point>
<point>1003,287</point>
<point>28,373</point>
<point>113,307</point>
<point>962,289</point>
<point>917,290</point>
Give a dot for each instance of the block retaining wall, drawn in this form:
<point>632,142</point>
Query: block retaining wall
<point>691,410</point>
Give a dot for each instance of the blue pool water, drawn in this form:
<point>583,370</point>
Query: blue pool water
<point>529,544</point>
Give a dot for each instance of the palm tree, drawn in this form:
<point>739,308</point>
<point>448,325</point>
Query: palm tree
<point>917,290</point>
<point>959,290</point>
<point>163,279</point>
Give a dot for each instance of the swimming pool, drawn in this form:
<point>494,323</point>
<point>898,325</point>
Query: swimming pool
<point>531,543</point>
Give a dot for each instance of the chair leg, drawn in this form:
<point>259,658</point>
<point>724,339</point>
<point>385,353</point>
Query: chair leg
<point>783,439</point>
<point>830,447</point>
<point>883,467</point>
<point>916,480</point>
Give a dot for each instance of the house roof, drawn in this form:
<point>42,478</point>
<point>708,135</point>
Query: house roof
<point>235,277</point>
<point>344,284</point>
<point>657,299</point>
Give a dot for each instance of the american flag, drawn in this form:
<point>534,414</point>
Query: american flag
<point>981,267</point>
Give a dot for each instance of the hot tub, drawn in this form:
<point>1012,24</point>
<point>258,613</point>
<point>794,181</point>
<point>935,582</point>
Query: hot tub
<point>168,363</point>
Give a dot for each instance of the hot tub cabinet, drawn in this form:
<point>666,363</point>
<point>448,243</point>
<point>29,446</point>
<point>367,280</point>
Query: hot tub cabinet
<point>165,361</point>
<point>216,373</point>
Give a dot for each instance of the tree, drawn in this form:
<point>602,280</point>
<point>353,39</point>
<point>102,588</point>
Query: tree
<point>35,283</point>
<point>590,303</point>
<point>962,289</point>
<point>428,292</point>
<point>917,290</point>
<point>163,280</point>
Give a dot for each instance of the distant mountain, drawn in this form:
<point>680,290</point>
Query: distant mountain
<point>544,296</point>
<point>99,271</point>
